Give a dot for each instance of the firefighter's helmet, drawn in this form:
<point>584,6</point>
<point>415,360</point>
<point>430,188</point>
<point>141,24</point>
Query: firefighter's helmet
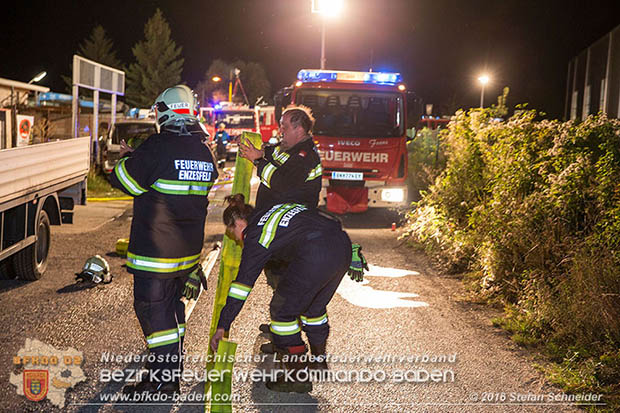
<point>176,105</point>
<point>96,269</point>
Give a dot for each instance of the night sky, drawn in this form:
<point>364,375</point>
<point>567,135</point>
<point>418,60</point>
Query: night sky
<point>440,47</point>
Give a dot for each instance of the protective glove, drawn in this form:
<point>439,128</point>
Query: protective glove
<point>192,285</point>
<point>358,264</point>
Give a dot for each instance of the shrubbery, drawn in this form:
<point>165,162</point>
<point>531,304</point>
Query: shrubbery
<point>426,160</point>
<point>530,210</point>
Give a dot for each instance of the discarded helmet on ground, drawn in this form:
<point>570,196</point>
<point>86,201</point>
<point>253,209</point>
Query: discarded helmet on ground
<point>176,105</point>
<point>96,269</point>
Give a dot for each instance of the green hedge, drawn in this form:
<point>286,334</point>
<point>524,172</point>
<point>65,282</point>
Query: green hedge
<point>529,210</point>
<point>426,160</point>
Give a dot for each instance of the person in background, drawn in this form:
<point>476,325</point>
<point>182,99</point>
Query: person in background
<point>221,140</point>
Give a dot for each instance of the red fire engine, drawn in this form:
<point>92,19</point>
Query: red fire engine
<point>236,119</point>
<point>268,123</point>
<point>360,132</point>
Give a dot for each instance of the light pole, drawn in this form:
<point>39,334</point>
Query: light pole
<point>483,79</point>
<point>326,8</point>
<point>38,77</point>
<point>323,43</point>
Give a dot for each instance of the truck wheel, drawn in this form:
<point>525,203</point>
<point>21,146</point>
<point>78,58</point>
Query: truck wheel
<point>31,262</point>
<point>6,269</point>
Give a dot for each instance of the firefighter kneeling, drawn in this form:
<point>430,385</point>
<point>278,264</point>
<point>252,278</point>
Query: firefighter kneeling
<point>319,252</point>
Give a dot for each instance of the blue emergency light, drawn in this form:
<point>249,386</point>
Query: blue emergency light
<point>382,78</point>
<point>378,78</point>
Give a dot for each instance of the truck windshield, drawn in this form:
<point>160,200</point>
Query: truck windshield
<point>132,130</point>
<point>236,119</point>
<point>354,113</point>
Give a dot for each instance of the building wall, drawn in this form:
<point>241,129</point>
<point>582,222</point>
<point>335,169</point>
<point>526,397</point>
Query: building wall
<point>593,80</point>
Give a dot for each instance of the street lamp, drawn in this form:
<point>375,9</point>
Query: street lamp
<point>483,79</point>
<point>38,77</point>
<point>216,79</point>
<point>326,8</point>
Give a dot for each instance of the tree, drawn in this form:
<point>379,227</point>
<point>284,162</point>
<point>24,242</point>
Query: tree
<point>255,81</point>
<point>98,48</point>
<point>158,63</point>
<point>253,78</point>
<point>207,89</point>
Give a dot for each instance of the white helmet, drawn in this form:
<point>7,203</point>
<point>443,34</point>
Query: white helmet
<point>96,269</point>
<point>176,105</point>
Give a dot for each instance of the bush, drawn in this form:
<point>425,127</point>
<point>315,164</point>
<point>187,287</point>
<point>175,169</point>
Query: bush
<point>531,209</point>
<point>426,160</point>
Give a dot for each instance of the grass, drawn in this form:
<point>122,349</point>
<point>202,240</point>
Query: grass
<point>99,187</point>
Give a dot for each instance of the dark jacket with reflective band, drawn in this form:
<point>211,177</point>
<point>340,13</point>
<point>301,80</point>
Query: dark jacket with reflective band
<point>291,176</point>
<point>281,232</point>
<point>170,177</point>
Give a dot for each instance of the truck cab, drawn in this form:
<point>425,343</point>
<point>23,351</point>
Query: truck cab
<point>360,132</point>
<point>236,118</point>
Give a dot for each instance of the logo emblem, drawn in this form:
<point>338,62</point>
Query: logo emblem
<point>36,384</point>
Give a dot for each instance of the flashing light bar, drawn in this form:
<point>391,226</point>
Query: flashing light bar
<point>378,78</point>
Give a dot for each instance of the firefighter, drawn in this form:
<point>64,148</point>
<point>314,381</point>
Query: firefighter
<point>169,176</point>
<point>291,170</point>
<point>221,139</point>
<point>320,253</point>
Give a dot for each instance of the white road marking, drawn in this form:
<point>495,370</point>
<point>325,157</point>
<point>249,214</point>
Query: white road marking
<point>362,295</point>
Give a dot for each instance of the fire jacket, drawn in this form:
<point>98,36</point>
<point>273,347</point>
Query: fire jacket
<point>291,176</point>
<point>282,231</point>
<point>221,139</point>
<point>169,176</point>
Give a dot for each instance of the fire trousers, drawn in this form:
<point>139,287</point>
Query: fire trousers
<point>161,314</point>
<point>309,283</point>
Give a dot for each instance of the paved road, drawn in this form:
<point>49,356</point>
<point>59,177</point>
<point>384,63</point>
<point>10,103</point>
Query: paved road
<point>404,310</point>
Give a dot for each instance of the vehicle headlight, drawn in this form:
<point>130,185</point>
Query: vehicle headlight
<point>393,195</point>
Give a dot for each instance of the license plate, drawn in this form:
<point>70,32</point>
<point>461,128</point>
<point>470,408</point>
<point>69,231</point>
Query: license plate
<point>348,176</point>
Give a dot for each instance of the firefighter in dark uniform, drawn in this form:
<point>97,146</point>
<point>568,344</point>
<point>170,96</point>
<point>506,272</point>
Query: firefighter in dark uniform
<point>290,171</point>
<point>169,176</point>
<point>319,252</point>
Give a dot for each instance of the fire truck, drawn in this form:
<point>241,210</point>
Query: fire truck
<point>360,132</point>
<point>268,124</point>
<point>433,123</point>
<point>236,118</point>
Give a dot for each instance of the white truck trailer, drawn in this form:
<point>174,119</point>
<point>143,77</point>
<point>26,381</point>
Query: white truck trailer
<point>39,186</point>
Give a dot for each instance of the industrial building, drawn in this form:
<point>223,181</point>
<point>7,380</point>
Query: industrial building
<point>593,81</point>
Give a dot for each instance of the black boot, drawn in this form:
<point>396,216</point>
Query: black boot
<point>292,359</point>
<point>319,356</point>
<point>267,348</point>
<point>140,392</point>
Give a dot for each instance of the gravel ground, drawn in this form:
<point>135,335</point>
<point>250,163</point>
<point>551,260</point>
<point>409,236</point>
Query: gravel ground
<point>486,368</point>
